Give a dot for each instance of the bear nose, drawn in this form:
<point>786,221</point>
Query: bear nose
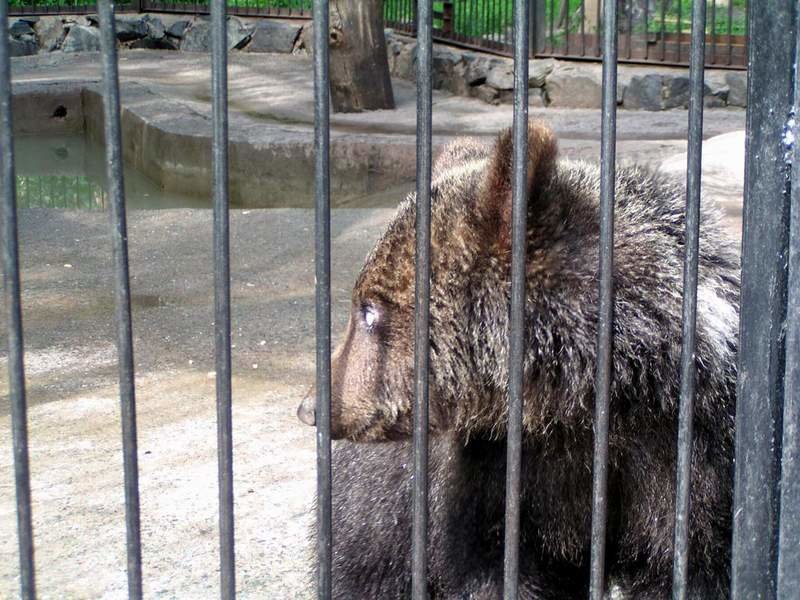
<point>307,412</point>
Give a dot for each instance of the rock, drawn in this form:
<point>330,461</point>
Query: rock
<point>30,19</point>
<point>644,92</point>
<point>149,43</point>
<point>81,39</point>
<point>51,33</point>
<point>306,39</point>
<point>448,72</point>
<point>711,101</point>
<point>238,34</point>
<point>486,93</point>
<point>675,91</point>
<point>717,90</point>
<point>575,86</point>
<point>273,36</point>
<point>501,76</point>
<point>129,29</point>
<point>198,37</point>
<point>177,29</point>
<point>476,68</point>
<point>21,28</point>
<point>538,70</point>
<point>406,62</point>
<point>22,46</point>
<point>537,97</point>
<point>155,27</point>
<point>393,49</point>
<point>737,84</point>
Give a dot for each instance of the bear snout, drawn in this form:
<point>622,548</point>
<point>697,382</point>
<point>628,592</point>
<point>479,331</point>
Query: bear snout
<point>307,411</point>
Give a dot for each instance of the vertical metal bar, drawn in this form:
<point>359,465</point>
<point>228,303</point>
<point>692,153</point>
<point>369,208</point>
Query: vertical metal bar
<point>789,529</point>
<point>322,241</point>
<point>517,309</point>
<point>713,31</point>
<point>583,27</point>
<point>222,295</point>
<point>606,313</point>
<point>763,299</point>
<point>689,320</point>
<point>598,21</point>
<point>730,33</point>
<point>114,176</point>
<point>646,30</point>
<point>663,30</point>
<point>419,585</point>
<point>16,369</point>
<point>629,31</point>
<point>680,27</point>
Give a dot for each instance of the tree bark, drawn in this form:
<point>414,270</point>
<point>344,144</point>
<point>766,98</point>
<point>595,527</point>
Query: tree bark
<point>359,66</point>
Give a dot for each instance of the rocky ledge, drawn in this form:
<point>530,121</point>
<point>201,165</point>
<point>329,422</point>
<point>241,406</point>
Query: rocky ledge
<point>558,83</point>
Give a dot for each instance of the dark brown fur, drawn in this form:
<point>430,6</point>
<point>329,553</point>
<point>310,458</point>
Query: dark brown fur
<point>372,388</point>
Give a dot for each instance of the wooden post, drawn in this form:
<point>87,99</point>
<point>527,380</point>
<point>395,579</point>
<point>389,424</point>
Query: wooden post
<point>359,67</point>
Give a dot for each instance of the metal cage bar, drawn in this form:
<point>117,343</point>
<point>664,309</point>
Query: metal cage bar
<point>763,301</point>
<point>606,312</point>
<point>789,530</point>
<point>323,295</point>
<point>222,295</point>
<point>127,392</point>
<point>13,302</point>
<point>516,340</point>
<point>689,318</point>
<point>419,585</point>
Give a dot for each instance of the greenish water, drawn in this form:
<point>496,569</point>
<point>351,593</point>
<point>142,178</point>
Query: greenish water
<point>69,172</point>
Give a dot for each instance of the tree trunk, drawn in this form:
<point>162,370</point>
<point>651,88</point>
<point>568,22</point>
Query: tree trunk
<point>359,67</point>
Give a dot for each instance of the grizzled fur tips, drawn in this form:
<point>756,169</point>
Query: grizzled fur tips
<point>373,382</point>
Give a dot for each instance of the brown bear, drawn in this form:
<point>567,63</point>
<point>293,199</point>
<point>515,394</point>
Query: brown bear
<point>373,375</point>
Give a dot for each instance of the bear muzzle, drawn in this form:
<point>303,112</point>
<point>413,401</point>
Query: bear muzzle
<point>307,411</point>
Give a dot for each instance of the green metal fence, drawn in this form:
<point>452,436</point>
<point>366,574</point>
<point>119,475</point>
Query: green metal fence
<point>649,30</point>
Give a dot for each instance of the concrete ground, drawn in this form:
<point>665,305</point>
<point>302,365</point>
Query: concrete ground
<point>70,356</point>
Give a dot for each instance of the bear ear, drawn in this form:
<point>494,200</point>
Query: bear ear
<point>495,196</point>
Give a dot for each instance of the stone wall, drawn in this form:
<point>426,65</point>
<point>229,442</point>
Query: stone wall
<point>562,83</point>
<point>558,83</point>
<point>32,35</point>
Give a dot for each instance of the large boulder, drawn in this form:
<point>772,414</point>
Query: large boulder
<point>538,70</point>
<point>20,28</point>
<point>737,88</point>
<point>198,37</point>
<point>273,36</point>
<point>155,27</point>
<point>449,72</point>
<point>501,76</point>
<point>178,29</point>
<point>575,86</point>
<point>23,46</point>
<point>51,33</point>
<point>644,92</point>
<point>81,39</point>
<point>130,28</point>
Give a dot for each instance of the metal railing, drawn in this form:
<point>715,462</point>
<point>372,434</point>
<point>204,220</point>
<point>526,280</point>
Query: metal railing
<point>766,560</point>
<point>649,30</point>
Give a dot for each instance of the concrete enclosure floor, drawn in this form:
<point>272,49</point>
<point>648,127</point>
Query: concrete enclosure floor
<point>71,359</point>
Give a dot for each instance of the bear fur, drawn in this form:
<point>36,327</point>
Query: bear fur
<point>373,387</point>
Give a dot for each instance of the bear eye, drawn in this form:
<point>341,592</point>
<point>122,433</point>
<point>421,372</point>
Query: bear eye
<point>370,315</point>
